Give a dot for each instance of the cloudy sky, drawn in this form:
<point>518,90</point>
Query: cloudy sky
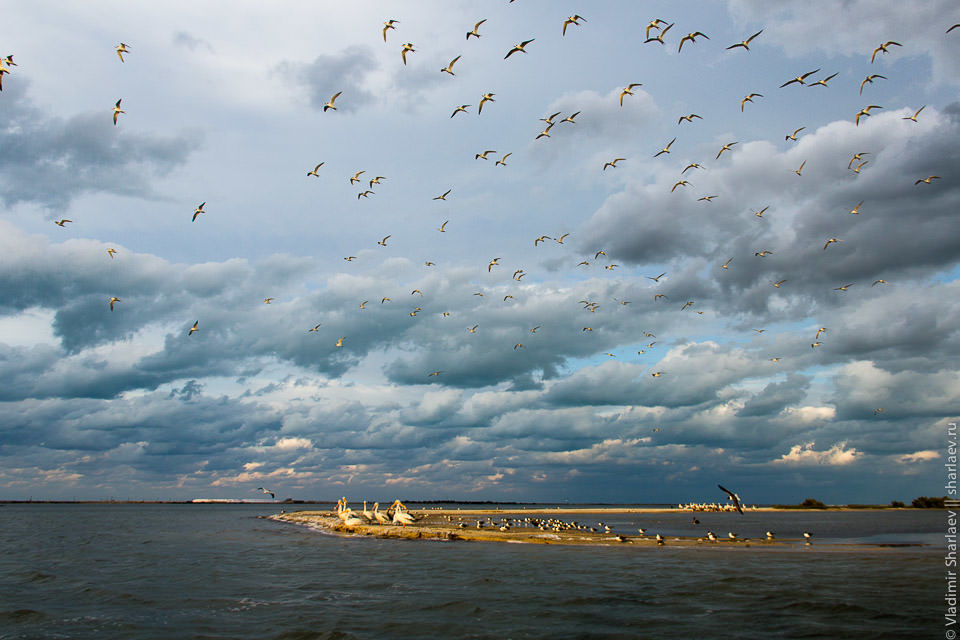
<point>819,369</point>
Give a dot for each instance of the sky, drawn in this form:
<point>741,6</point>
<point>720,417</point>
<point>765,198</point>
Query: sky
<point>479,346</point>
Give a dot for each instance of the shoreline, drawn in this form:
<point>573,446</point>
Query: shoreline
<point>440,525</point>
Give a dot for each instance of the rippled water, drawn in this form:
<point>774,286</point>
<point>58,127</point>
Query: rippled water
<point>217,571</point>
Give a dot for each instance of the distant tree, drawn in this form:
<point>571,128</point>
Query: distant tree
<point>811,503</point>
<point>924,502</point>
<point>896,504</point>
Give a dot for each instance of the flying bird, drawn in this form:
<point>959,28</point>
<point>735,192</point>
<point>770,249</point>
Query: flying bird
<point>340,341</point>
<point>763,254</point>
<point>198,211</point>
<point>799,79</point>
<point>112,300</point>
<point>502,161</point>
<point>193,328</point>
<point>658,37</point>
<point>518,47</point>
<point>383,242</point>
<point>823,82</point>
<point>111,252</point>
<point>883,48</point>
<point>953,27</point>
<point>442,228</point>
<point>732,496</point>
<point>692,165</point>
<point>628,90</point>
<point>706,198</point>
<point>831,241</point>
<point>726,264</point>
<point>778,283</point>
<point>474,32</point>
<point>865,112</point>
<point>843,287</point>
<point>856,209</point>
<point>654,24</point>
<point>461,109</point>
<point>799,169</point>
<point>692,37</point>
<point>793,136</point>
<point>389,24</point>
<point>725,147</point>
<point>612,163</point>
<point>570,117</point>
<point>493,263</point>
<point>403,52</point>
<point>487,97</point>
<point>117,111</point>
<point>268,300</point>
<point>330,102</point>
<point>860,166</point>
<point>679,183</point>
<point>688,118</point>
<point>876,282</point>
<point>745,43</point>
<point>62,222</point>
<point>749,98</point>
<point>315,169</point>
<point>122,49</point>
<point>857,157</point>
<point>272,495</point>
<point>484,154</point>
<point>688,303</point>
<point>869,80</point>
<point>914,116</point>
<point>760,213</point>
<point>443,196</point>
<point>666,149</point>
<point>926,180</point>
<point>656,279</point>
<point>449,67</point>
<point>571,20</point>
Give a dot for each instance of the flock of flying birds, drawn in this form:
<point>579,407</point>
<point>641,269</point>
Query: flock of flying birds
<point>656,33</point>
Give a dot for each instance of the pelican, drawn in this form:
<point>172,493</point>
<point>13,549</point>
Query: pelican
<point>856,209</point>
<point>272,494</point>
<point>762,254</point>
<point>658,37</point>
<point>117,111</point>
<point>745,43</point>
<point>571,20</point>
<point>779,282</point>
<point>340,341</point>
<point>679,183</point>
<point>493,263</point>
<point>726,264</point>
<point>843,287</point>
<point>831,241</point>
<point>315,169</point>
<point>112,300</point>
<point>449,67</point>
<point>363,305</point>
<point>860,166</point>
<point>914,116</point>
<point>461,109</point>
<point>793,136</point>
<point>628,91</point>
<point>61,222</point>
<point>656,279</point>
<point>799,79</point>
<point>725,147</point>
<point>383,242</point>
<point>487,97</point>
<point>376,180</point>
<point>570,117</point>
<point>473,329</point>
<point>775,359</point>
<point>926,180</point>
<point>443,196</point>
<point>692,37</point>
<point>350,258</point>
<point>692,165</point>
<point>385,300</point>
<point>545,133</point>
<point>474,32</point>
<point>518,47</point>
<point>706,198</point>
<point>869,80</point>
<point>364,194</point>
<point>193,328</point>
<point>379,517</point>
<point>688,118</point>
<point>760,213</point>
<point>657,296</point>
<point>111,252</point>
<point>442,228</point>
<point>657,374</point>
<point>330,102</point>
<point>876,282</point>
<point>122,49</point>
<point>688,303</point>
<point>749,98</point>
<point>883,48</point>
<point>268,300</point>
<point>819,331</point>
<point>367,515</point>
<point>387,26</point>
<point>612,163</point>
<point>732,496</point>
<point>948,30</point>
<point>403,52</point>
<point>502,161</point>
<point>519,345</point>
<point>316,327</point>
<point>484,154</point>
<point>666,149</point>
<point>823,82</point>
<point>799,169</point>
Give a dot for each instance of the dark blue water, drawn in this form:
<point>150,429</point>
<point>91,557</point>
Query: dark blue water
<point>217,571</point>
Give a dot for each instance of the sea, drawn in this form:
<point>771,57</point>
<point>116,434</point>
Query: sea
<point>220,571</point>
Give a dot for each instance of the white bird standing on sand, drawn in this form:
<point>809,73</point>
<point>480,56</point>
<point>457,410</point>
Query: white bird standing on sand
<point>378,516</point>
<point>400,516</point>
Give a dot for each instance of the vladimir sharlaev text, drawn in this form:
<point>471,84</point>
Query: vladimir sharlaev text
<point>952,506</point>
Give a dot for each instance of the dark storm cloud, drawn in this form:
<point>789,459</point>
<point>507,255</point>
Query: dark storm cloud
<point>50,160</point>
<point>327,74</point>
